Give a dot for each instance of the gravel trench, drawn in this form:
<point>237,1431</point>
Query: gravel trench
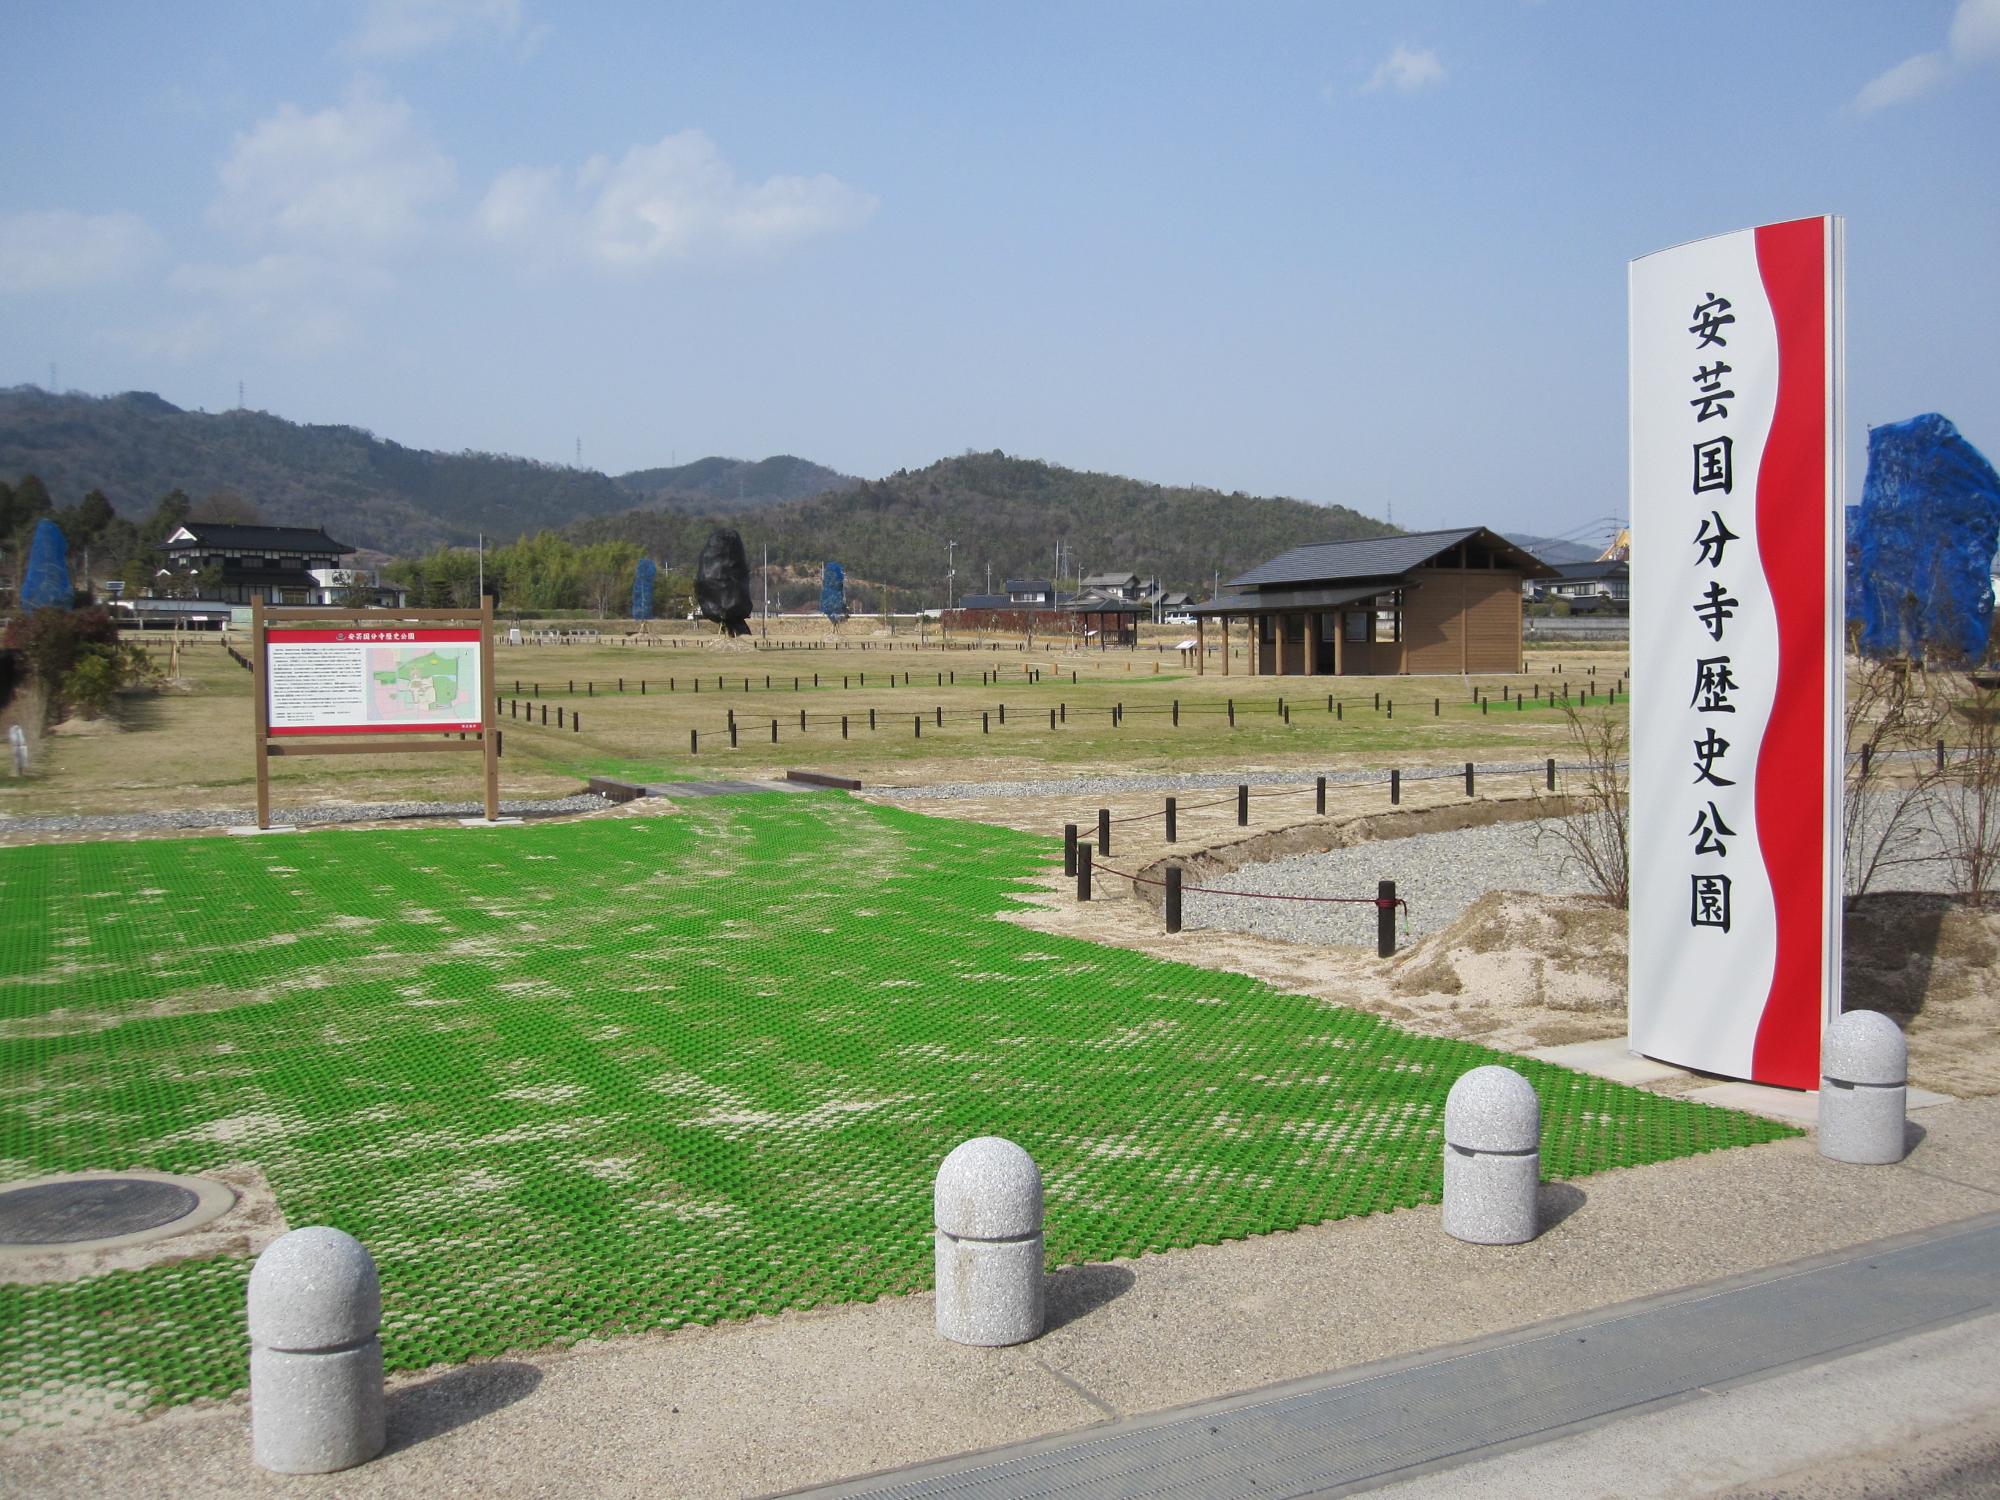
<point>363,812</point>
<point>1440,875</point>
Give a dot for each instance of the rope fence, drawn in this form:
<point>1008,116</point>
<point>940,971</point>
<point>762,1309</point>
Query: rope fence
<point>1386,902</point>
<point>986,718</point>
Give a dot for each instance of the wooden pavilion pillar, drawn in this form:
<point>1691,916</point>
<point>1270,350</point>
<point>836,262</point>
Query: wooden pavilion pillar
<point>1201,646</point>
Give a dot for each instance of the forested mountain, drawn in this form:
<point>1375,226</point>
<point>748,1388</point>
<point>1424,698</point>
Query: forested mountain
<point>370,493</point>
<point>1010,512</point>
<point>728,486</point>
<point>378,495</point>
<point>1552,550</point>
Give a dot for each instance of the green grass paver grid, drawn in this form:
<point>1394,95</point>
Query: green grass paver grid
<point>570,1082</point>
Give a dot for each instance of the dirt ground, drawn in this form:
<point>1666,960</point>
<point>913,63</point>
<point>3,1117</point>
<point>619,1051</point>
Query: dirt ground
<point>1517,970</point>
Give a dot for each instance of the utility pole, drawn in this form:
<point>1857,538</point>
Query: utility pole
<point>482,565</point>
<point>989,579</point>
<point>767,591</point>
<point>950,570</point>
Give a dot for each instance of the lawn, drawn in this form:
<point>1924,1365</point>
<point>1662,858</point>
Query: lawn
<point>192,746</point>
<point>574,1081</point>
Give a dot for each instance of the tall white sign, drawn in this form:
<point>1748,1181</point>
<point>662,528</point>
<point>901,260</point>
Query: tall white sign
<point>1737,603</point>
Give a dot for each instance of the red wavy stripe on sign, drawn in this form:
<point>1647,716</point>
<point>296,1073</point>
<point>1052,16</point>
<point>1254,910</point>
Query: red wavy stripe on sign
<point>1791,535</point>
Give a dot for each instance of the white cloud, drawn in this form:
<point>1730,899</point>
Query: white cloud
<point>1975,31</point>
<point>53,250</point>
<point>296,304</point>
<point>1973,39</point>
<point>1406,69</point>
<point>674,200</point>
<point>398,28</point>
<point>1910,79</point>
<point>359,174</point>
<point>176,339</point>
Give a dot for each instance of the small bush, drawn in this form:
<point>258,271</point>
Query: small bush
<point>56,642</point>
<point>96,677</point>
<point>1594,830</point>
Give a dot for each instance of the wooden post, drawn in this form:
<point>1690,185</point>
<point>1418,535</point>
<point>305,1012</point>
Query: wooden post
<point>489,731</point>
<point>261,719</point>
<point>1201,645</point>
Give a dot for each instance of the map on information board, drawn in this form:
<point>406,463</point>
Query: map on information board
<point>408,682</point>
<point>375,680</point>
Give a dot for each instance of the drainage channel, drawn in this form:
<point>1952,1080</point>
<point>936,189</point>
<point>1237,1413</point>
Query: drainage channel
<point>1359,1428</point>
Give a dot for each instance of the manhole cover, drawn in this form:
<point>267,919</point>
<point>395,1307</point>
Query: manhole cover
<point>94,1208</point>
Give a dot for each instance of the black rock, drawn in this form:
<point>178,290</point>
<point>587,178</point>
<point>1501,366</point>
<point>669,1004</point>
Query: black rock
<point>722,582</point>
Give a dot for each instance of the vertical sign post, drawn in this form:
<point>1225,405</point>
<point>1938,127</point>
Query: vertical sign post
<point>1737,651</point>
<point>373,682</point>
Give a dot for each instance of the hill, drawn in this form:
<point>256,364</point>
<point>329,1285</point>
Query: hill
<point>728,486</point>
<point>1010,512</point>
<point>373,493</point>
<point>1554,552</point>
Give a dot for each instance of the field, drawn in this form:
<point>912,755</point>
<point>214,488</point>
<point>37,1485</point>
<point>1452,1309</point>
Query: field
<point>191,747</point>
<point>584,1079</point>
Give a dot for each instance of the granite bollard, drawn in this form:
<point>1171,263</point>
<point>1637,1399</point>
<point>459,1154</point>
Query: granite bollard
<point>1863,1089</point>
<point>1492,1157</point>
<point>988,1213</point>
<point>316,1401</point>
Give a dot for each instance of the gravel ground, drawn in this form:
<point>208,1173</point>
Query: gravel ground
<point>361,812</point>
<point>1439,874</point>
<point>1075,786</point>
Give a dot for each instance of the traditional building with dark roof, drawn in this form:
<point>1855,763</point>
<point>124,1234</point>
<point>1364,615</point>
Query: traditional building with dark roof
<point>272,563</point>
<point>1431,601</point>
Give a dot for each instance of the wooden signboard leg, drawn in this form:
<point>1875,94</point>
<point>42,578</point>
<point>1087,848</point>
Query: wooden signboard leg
<point>487,708</point>
<point>261,713</point>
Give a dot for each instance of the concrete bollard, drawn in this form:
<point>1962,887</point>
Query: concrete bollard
<point>1863,1089</point>
<point>1492,1157</point>
<point>315,1363</point>
<point>988,1212</point>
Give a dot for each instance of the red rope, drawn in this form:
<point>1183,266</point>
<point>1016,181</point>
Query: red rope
<point>1378,902</point>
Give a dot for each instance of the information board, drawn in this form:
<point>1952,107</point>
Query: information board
<point>1736,651</point>
<point>350,680</point>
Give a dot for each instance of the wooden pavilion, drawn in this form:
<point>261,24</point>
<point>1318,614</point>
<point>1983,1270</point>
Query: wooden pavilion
<point>1430,601</point>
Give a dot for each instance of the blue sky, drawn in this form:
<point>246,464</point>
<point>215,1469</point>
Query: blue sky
<point>1364,253</point>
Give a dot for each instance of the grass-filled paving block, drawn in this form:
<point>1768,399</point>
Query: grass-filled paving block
<point>576,1081</point>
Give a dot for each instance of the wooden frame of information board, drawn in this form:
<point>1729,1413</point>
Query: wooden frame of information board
<point>482,739</point>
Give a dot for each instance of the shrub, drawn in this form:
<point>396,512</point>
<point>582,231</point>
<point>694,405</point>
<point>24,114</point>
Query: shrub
<point>97,675</point>
<point>54,642</point>
<point>1592,827</point>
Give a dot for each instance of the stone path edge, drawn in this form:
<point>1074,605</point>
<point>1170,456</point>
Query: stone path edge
<point>864,1484</point>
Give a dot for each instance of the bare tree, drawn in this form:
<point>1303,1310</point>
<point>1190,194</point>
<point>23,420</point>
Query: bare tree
<point>1891,774</point>
<point>1966,811</point>
<point>1594,828</point>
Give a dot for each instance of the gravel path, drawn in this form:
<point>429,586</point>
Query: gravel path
<point>364,812</point>
<point>1440,875</point>
<point>1078,786</point>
